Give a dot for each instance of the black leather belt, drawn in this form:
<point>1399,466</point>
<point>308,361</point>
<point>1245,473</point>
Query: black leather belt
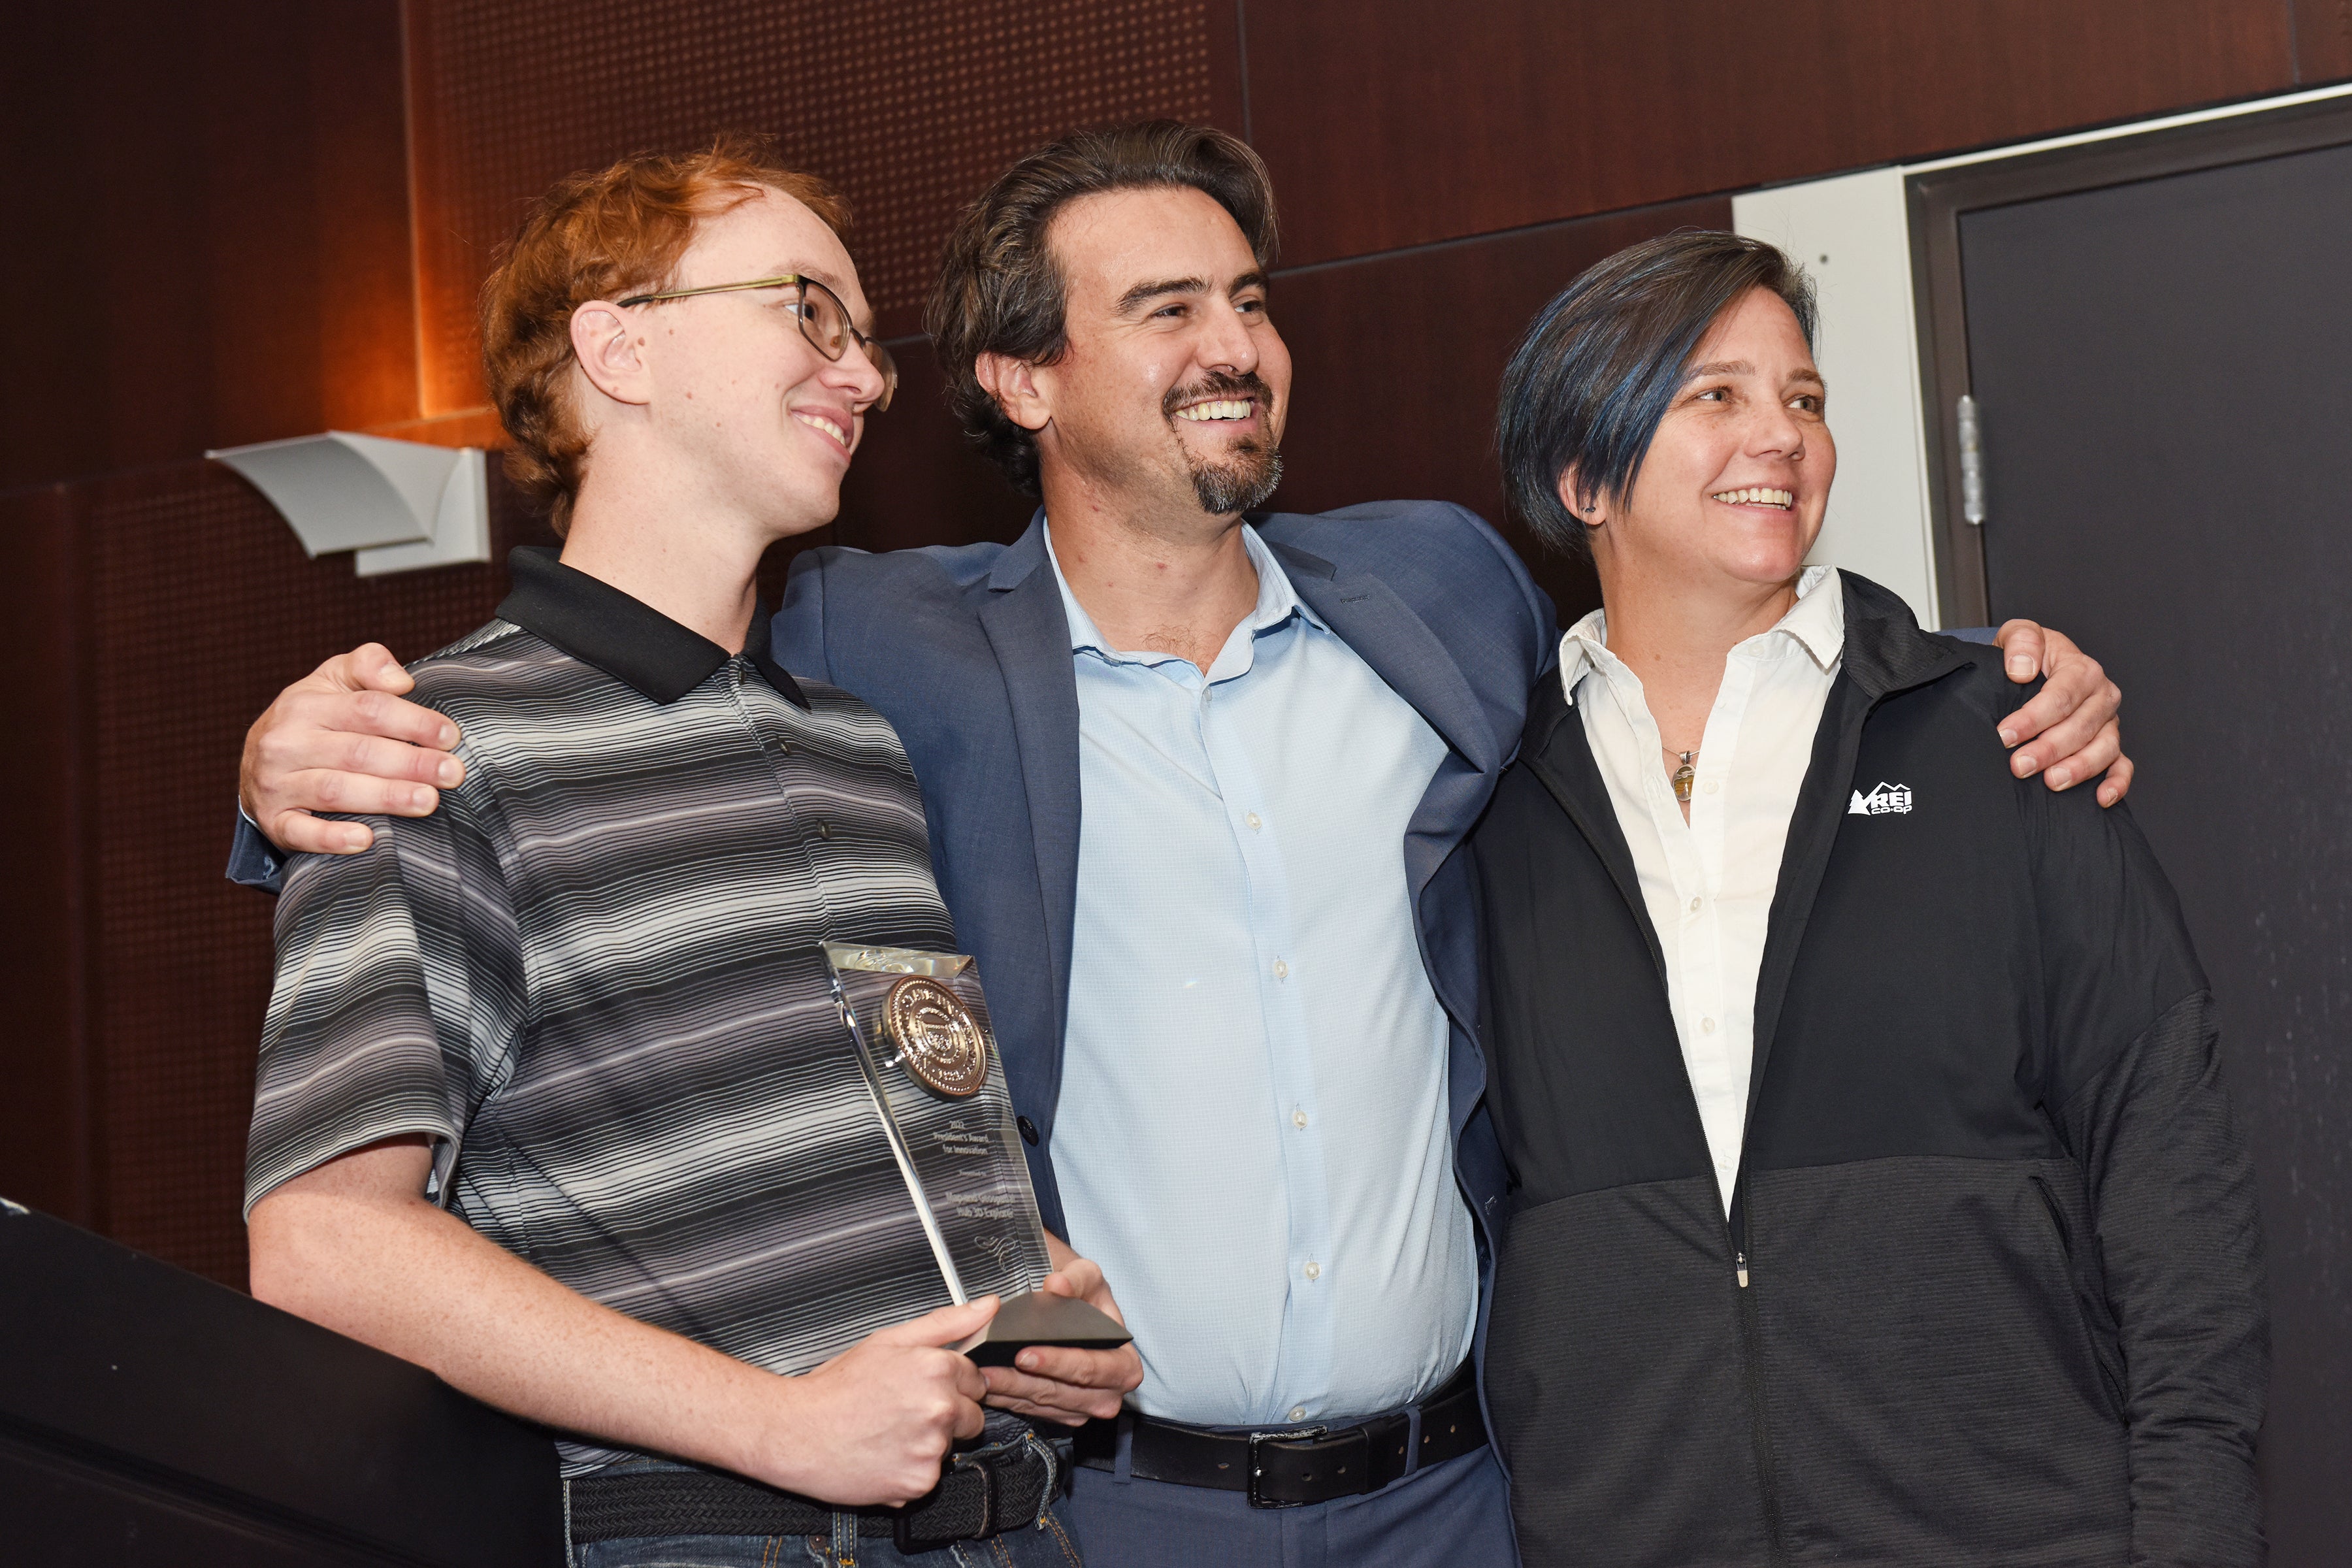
<point>981,1493</point>
<point>1298,1465</point>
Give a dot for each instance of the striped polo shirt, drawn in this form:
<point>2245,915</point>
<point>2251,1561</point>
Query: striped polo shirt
<point>594,979</point>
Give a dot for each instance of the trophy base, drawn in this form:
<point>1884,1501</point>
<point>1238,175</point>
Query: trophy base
<point>1039,1317</point>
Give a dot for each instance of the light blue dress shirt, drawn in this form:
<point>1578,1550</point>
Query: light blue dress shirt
<point>1251,1135</point>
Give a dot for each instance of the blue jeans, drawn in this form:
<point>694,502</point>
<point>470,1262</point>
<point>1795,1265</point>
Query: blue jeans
<point>1044,1544</point>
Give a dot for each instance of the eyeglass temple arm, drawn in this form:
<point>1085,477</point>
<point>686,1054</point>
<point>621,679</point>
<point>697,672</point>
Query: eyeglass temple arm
<point>710,288</point>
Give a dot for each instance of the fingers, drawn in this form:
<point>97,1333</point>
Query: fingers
<point>323,747</point>
<point>2071,722</point>
<point>1074,1279</point>
<point>2021,646</point>
<point>379,713</point>
<point>942,1326</point>
<point>301,833</point>
<point>2093,758</point>
<point>1071,1404</point>
<point>367,668</point>
<point>1119,1370</point>
<point>2118,781</point>
<point>365,751</point>
<point>361,794</point>
<point>1082,1279</point>
<point>1066,1385</point>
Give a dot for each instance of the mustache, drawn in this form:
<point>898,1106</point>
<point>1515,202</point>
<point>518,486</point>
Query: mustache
<point>1216,384</point>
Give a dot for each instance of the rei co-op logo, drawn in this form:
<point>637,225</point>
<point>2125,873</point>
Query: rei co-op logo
<point>1886,798</point>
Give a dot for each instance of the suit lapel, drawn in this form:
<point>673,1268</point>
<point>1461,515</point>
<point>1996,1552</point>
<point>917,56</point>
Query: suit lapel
<point>1031,637</point>
<point>1370,618</point>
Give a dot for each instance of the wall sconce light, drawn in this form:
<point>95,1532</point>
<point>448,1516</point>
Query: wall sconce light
<point>400,504</point>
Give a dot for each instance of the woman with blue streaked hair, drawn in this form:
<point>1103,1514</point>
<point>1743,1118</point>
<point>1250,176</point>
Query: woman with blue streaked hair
<point>1875,1198</point>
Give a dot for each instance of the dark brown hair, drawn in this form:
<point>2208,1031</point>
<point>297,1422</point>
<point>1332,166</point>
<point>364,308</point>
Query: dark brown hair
<point>1597,368</point>
<point>999,290</point>
<point>599,236</point>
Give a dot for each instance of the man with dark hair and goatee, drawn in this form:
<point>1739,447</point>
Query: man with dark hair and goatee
<point>1197,778</point>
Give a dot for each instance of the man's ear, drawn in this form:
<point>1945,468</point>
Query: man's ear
<point>1587,509</point>
<point>1013,384</point>
<point>607,350</point>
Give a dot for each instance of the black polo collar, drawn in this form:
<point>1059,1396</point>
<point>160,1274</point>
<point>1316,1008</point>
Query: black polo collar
<point>626,638</point>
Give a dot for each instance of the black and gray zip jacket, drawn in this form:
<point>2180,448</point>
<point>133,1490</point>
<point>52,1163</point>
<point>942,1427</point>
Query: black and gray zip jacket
<point>1991,1288</point>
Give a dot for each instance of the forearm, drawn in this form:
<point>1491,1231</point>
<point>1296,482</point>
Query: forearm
<point>412,1280</point>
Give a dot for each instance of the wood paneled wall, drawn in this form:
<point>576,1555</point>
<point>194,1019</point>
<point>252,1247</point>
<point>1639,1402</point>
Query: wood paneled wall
<point>208,236</point>
<point>1520,112</point>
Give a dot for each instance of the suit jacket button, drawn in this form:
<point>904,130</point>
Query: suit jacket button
<point>1028,1130</point>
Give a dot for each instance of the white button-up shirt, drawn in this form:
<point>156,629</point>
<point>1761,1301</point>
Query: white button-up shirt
<point>1252,1137</point>
<point>1708,883</point>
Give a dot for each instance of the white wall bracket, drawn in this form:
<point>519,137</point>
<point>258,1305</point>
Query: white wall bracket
<point>399,504</point>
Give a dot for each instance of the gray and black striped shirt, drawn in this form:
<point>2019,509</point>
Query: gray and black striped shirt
<point>593,979</point>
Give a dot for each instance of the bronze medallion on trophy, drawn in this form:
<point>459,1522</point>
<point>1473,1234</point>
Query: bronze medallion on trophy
<point>937,1040</point>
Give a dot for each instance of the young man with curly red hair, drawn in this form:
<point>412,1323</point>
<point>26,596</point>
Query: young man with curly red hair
<point>550,1098</point>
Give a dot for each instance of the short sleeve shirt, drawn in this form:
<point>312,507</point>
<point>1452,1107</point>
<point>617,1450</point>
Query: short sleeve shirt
<point>594,979</point>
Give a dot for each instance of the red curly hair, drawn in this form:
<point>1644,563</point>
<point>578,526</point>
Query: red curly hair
<point>597,237</point>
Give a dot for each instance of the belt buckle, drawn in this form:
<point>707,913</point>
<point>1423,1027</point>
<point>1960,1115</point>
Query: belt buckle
<point>1257,1437</point>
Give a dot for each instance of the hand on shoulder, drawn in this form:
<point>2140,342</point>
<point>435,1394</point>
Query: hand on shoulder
<point>344,738</point>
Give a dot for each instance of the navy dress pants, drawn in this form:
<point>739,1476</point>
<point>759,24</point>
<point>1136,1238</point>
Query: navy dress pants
<point>1454,1515</point>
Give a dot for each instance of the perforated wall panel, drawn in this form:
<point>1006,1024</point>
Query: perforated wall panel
<point>202,605</point>
<point>909,106</point>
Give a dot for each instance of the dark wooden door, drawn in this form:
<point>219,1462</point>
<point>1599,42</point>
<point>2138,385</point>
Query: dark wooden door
<point>2164,373</point>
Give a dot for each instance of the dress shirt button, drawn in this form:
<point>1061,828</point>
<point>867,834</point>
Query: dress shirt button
<point>1299,1413</point>
<point>1298,1119</point>
<point>1028,1130</point>
<point>783,748</point>
<point>1694,905</point>
<point>1254,821</point>
<point>824,830</point>
<point>1713,785</point>
<point>1281,970</point>
<point>1706,1025</point>
<point>1314,1270</point>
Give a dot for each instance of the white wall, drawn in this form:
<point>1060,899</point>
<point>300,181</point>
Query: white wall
<point>1851,233</point>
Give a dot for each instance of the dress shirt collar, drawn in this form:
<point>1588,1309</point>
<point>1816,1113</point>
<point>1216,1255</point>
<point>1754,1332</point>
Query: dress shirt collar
<point>625,637</point>
<point>1277,601</point>
<point>1815,623</point>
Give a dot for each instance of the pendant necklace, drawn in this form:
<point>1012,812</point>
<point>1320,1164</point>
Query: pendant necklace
<point>1682,777</point>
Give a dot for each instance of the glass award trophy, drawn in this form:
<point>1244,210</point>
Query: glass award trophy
<point>918,1024</point>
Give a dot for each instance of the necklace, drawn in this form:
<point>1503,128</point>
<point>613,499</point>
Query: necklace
<point>1682,777</point>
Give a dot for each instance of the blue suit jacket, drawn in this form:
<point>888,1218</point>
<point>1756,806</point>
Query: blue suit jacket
<point>966,650</point>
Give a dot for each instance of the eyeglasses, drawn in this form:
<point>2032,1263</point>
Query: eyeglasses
<point>823,319</point>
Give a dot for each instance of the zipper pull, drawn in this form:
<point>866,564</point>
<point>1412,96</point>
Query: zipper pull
<point>1742,1262</point>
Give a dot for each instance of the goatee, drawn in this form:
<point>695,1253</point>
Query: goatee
<point>1239,484</point>
<point>1249,474</point>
